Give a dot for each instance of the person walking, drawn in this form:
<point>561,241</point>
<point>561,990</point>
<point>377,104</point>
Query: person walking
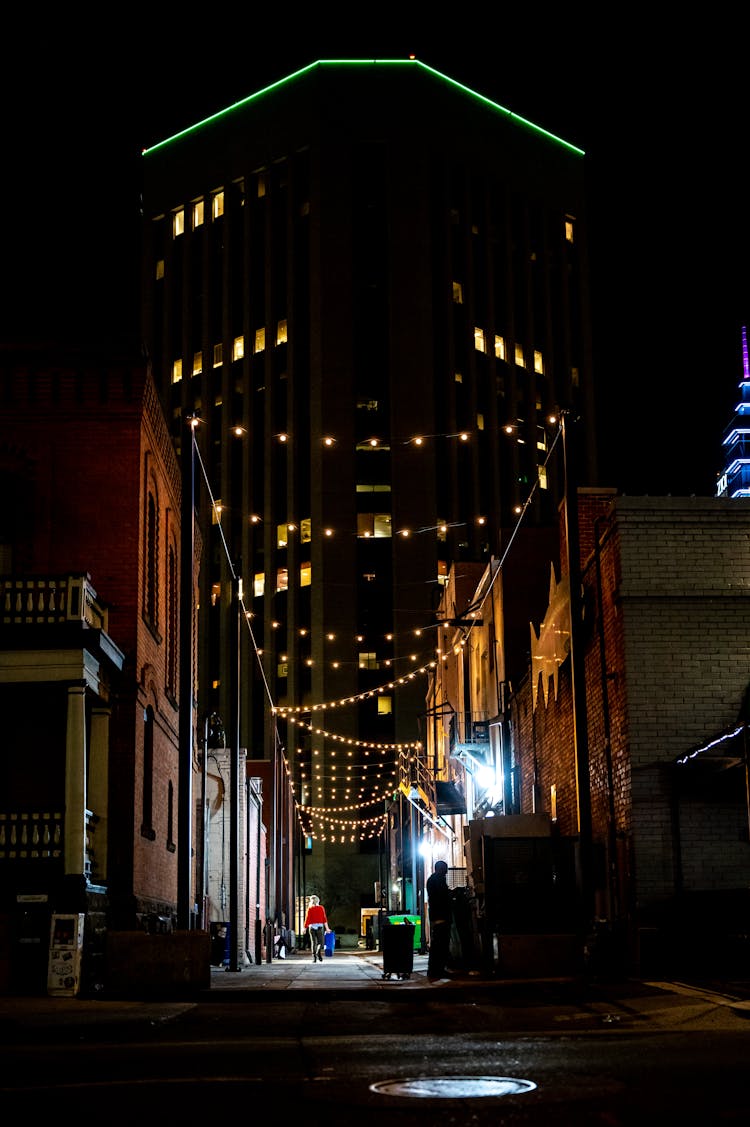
<point>440,914</point>
<point>316,923</point>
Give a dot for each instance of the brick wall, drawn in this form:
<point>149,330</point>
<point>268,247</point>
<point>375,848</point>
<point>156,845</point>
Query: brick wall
<point>666,670</point>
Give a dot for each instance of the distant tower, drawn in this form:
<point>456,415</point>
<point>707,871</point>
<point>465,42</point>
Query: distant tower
<point>735,480</point>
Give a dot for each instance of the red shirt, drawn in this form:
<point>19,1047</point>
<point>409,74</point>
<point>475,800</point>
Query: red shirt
<point>316,916</point>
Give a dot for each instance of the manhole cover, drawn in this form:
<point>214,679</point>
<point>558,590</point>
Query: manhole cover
<point>453,1087</point>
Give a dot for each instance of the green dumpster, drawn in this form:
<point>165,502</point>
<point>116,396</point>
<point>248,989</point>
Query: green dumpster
<point>416,922</point>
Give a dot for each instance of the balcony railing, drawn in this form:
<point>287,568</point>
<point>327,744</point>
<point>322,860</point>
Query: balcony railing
<point>31,835</point>
<point>51,600</point>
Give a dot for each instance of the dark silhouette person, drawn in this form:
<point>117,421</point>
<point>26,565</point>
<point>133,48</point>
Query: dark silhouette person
<point>440,913</point>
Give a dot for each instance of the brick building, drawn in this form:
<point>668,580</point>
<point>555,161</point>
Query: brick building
<point>89,654</point>
<point>636,786</point>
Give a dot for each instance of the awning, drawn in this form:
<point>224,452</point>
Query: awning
<point>723,751</point>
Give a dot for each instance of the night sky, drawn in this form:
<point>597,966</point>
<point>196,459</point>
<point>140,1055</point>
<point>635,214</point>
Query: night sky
<point>661,111</point>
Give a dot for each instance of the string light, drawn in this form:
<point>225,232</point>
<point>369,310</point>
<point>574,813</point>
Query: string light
<point>408,753</point>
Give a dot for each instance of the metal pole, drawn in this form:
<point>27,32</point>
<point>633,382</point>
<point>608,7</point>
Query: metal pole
<point>204,829</point>
<point>234,823</point>
<point>185,772</point>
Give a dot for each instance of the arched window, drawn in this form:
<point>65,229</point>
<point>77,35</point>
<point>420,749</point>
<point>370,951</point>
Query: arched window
<point>151,555</point>
<point>170,818</point>
<point>172,628</point>
<point>147,812</point>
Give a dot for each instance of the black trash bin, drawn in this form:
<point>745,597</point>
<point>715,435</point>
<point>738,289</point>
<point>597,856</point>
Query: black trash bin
<point>398,950</point>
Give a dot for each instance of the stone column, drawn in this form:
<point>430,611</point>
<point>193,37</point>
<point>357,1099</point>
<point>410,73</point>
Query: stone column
<point>75,783</point>
<point>98,788</point>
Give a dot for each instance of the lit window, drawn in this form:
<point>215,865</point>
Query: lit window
<point>304,531</point>
<point>281,332</point>
<point>373,525</point>
<point>519,356</point>
<point>458,377</point>
<point>159,269</point>
<point>217,204</point>
<point>538,362</point>
<point>458,293</point>
<point>282,579</point>
<point>238,348</point>
<point>569,231</point>
<point>282,535</point>
<point>305,575</point>
<point>367,404</point>
<point>373,488</point>
<point>197,363</point>
<point>282,669</point>
<point>215,593</point>
<point>216,512</point>
<point>176,371</point>
<point>541,438</point>
<point>499,347</point>
<point>480,421</point>
<point>480,341</point>
<point>262,184</point>
<point>574,376</point>
<point>385,706</point>
<point>260,340</point>
<point>198,213</point>
<point>218,355</point>
<point>542,477</point>
<point>442,575</point>
<point>368,661</point>
<point>178,222</point>
<point>259,584</point>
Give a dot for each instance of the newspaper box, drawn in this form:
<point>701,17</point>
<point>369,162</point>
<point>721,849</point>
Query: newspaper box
<point>65,947</point>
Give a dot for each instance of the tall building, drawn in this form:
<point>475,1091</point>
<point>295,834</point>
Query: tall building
<point>370,285</point>
<point>735,478</point>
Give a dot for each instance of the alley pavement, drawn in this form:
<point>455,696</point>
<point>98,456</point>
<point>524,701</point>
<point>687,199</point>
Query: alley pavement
<point>660,1004</point>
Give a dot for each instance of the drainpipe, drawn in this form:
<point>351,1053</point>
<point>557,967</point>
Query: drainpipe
<point>185,773</point>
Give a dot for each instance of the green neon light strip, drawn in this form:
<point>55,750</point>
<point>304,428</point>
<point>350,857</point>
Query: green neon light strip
<point>363,62</point>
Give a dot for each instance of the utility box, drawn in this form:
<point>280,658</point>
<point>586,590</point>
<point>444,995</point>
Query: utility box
<point>65,950</point>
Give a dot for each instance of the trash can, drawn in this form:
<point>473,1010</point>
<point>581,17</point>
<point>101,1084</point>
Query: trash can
<point>416,923</point>
<point>329,944</point>
<point>398,949</point>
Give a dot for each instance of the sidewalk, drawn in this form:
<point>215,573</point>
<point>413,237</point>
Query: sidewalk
<point>346,974</point>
